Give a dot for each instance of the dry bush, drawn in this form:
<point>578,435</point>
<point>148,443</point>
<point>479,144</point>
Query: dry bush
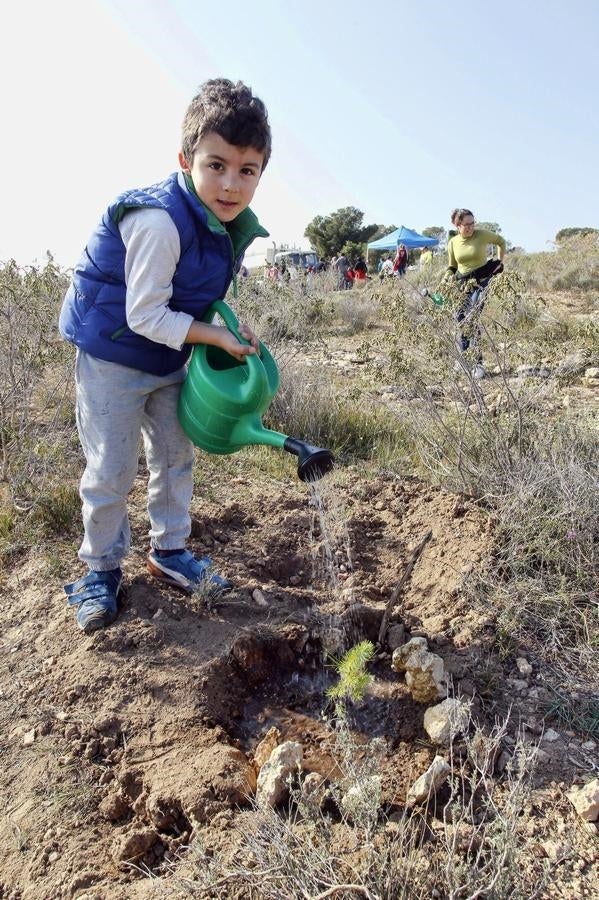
<point>531,465</point>
<point>543,579</point>
<point>279,312</point>
<point>311,407</point>
<point>469,845</point>
<point>38,447</point>
<point>357,310</point>
<point>462,437</point>
<point>572,265</point>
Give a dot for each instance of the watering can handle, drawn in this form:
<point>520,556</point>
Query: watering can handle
<point>228,316</point>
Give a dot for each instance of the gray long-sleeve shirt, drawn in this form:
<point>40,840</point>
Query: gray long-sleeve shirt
<point>153,249</point>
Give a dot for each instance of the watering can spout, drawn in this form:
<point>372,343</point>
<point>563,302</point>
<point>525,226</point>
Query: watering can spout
<point>222,402</point>
<point>313,462</point>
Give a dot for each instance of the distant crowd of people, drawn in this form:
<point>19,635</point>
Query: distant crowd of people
<point>349,272</point>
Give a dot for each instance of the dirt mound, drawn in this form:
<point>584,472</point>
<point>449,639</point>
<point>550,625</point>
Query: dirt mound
<point>116,747</point>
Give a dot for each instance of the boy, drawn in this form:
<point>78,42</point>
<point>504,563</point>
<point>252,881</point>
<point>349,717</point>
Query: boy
<point>157,260</point>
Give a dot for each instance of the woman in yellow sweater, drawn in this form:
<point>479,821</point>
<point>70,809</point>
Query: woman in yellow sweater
<point>467,252</point>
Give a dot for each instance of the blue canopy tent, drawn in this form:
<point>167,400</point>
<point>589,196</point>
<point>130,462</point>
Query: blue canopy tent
<point>410,239</point>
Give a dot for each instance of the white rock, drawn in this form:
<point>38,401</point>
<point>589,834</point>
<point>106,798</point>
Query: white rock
<point>591,372</point>
<point>550,736</point>
<point>272,780</point>
<point>264,749</point>
<point>445,720</point>
<point>259,598</point>
<point>524,667</point>
<point>429,782</point>
<point>29,738</point>
<point>585,800</point>
<point>425,671</point>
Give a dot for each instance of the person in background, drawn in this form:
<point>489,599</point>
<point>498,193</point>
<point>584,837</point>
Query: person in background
<point>360,269</point>
<point>426,258</point>
<point>344,282</point>
<point>386,270</point>
<point>467,261</point>
<point>401,261</point>
<point>157,260</point>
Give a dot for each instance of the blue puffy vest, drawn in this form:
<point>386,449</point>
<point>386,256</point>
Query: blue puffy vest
<point>93,312</point>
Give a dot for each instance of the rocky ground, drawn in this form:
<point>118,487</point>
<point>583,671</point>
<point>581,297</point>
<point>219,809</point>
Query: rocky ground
<point>120,749</point>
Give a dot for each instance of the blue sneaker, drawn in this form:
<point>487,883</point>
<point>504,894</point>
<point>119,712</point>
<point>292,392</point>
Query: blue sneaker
<point>184,571</point>
<point>95,596</point>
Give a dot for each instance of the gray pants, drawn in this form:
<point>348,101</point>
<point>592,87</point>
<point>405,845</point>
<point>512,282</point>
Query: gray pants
<point>115,404</point>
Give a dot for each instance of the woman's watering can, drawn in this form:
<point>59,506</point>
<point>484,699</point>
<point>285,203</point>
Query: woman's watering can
<point>222,402</point>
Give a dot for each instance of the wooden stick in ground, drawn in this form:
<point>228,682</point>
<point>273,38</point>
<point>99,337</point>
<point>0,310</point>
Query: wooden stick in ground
<point>415,554</point>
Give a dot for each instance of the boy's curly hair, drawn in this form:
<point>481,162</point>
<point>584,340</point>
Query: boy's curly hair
<point>230,110</point>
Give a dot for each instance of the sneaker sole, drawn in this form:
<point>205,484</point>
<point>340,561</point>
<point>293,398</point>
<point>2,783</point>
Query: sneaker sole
<point>174,579</point>
<point>96,624</point>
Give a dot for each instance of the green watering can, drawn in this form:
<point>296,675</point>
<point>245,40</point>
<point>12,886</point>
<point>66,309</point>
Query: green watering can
<point>437,298</point>
<point>222,402</point>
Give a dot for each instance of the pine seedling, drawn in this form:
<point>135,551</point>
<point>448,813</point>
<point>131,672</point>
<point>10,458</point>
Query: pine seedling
<point>353,677</point>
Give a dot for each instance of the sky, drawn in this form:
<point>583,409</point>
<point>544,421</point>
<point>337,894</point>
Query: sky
<point>404,110</point>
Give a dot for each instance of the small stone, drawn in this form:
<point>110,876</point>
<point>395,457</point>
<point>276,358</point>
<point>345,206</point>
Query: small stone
<point>585,800</point>
<point>425,671</point>
<point>524,667</point>
<point>588,745</point>
<point>446,719</point>
<point>158,614</point>
<point>550,736</point>
<point>266,746</point>
<point>313,788</point>
<point>284,761</point>
<point>53,857</point>
<point>259,598</point>
<point>429,782</point>
<point>29,738</point>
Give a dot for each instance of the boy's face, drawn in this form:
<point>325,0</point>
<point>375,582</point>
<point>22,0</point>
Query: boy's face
<point>224,176</point>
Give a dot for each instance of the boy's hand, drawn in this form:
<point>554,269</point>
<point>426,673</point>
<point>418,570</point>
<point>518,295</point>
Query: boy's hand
<point>219,336</point>
<point>228,342</point>
<point>246,332</point>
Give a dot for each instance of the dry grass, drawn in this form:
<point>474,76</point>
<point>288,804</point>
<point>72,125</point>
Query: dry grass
<point>469,845</point>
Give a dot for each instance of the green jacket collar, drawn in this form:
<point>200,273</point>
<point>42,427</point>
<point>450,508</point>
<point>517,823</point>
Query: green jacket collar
<point>242,230</point>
